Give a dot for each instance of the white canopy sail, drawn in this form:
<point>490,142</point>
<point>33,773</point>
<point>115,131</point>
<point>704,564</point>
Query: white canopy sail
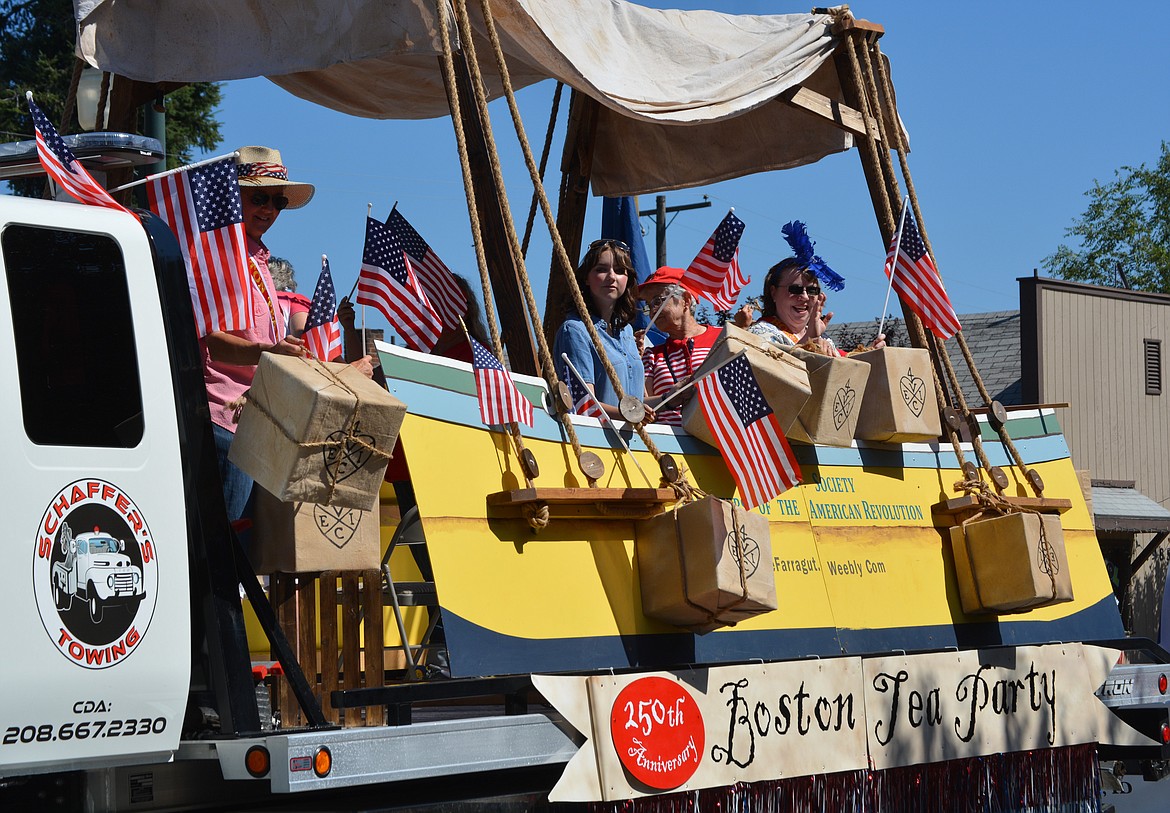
<point>658,74</point>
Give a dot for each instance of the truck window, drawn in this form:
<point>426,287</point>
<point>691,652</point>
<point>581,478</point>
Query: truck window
<point>75,350</point>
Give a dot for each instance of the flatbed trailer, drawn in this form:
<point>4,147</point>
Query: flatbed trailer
<point>869,688</point>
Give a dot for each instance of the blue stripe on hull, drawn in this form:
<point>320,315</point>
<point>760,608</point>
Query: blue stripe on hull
<point>478,651</point>
<point>454,407</point>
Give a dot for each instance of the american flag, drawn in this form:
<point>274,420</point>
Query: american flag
<point>202,207</point>
<point>443,292</point>
<point>714,272</point>
<point>499,400</point>
<point>322,331</point>
<point>388,283</point>
<point>583,401</point>
<point>61,165</point>
<point>747,433</point>
<point>917,281</point>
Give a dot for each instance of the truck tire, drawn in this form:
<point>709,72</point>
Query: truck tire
<point>96,608</point>
<point>132,605</point>
<point>61,598</point>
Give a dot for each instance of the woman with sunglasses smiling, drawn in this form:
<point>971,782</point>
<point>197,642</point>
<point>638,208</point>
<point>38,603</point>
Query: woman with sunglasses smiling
<point>792,309</point>
<point>605,277</point>
<point>793,302</point>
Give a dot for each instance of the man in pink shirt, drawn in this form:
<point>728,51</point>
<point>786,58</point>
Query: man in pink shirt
<point>230,358</point>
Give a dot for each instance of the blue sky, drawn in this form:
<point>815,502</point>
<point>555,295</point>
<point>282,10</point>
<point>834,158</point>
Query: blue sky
<point>1013,111</point>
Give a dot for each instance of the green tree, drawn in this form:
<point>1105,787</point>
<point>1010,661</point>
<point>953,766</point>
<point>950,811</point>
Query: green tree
<point>36,53</point>
<point>1127,225</point>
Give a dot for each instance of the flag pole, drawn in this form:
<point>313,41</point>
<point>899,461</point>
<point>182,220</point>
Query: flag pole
<point>893,266</point>
<point>176,171</point>
<point>349,297</point>
<point>605,417</point>
<point>672,395</point>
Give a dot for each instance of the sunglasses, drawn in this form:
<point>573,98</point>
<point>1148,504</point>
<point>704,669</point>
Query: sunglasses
<point>609,241</point>
<point>279,202</point>
<point>811,290</point>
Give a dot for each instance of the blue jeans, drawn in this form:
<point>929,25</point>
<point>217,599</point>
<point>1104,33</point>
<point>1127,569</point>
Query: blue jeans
<point>237,486</point>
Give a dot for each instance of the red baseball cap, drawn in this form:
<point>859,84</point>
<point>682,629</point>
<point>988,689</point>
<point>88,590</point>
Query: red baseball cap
<point>670,276</point>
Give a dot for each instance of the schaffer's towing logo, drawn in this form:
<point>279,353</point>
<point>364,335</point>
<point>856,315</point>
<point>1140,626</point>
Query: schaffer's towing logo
<point>95,573</point>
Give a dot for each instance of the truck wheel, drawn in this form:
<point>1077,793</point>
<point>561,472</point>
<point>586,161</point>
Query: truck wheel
<point>96,610</point>
<point>132,606</point>
<point>62,599</point>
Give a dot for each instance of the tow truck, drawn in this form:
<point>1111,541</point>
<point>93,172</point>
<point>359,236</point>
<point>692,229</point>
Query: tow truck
<point>870,678</point>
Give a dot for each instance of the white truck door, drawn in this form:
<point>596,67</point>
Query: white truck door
<point>89,432</point>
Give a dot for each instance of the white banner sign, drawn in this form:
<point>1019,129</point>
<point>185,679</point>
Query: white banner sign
<point>677,731</point>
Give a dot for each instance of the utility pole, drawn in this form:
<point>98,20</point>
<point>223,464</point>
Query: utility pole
<point>659,213</point>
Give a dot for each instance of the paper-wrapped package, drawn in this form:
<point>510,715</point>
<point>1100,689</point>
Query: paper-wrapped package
<point>705,565</point>
<point>899,405</point>
<point>1011,563</point>
<point>316,432</point>
<point>830,415</point>
<point>302,537</point>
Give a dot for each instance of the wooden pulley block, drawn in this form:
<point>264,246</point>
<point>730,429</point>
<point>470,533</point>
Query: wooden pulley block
<point>564,397</point>
<point>998,415</point>
<point>998,476</point>
<point>668,468</point>
<point>970,471</point>
<point>528,464</point>
<point>1035,479</point>
<point>952,419</point>
<point>591,465</point>
<point>632,409</point>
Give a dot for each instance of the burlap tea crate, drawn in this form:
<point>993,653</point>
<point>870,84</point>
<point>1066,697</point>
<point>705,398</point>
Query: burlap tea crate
<point>899,403</point>
<point>782,377</point>
<point>303,537</point>
<point>705,565</point>
<point>830,414</point>
<point>318,433</point>
<point>1011,563</point>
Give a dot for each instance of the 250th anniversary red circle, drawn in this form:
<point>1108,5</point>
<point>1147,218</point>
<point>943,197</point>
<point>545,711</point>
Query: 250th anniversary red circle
<point>657,730</point>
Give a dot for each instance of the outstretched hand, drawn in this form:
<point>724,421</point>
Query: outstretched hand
<point>289,346</point>
<point>345,314</point>
<point>364,365</point>
<point>745,316</point>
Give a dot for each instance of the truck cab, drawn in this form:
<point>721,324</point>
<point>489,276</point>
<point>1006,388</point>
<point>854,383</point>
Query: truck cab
<point>97,569</point>
<point>99,606</point>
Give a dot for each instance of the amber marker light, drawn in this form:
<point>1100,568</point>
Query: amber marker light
<point>323,760</point>
<point>257,761</point>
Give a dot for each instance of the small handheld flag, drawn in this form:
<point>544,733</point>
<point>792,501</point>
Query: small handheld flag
<point>62,166</point>
<point>746,431</point>
<point>437,281</point>
<point>583,401</point>
<point>499,400</point>
<point>715,273</point>
<point>388,283</point>
<point>322,331</point>
<point>914,276</point>
<point>202,207</point>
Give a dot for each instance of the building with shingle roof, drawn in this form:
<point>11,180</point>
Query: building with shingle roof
<point>994,341</point>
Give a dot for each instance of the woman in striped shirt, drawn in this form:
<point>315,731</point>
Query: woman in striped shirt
<point>671,364</point>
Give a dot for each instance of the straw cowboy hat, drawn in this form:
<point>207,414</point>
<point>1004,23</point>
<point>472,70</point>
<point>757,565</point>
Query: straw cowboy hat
<point>262,166</point>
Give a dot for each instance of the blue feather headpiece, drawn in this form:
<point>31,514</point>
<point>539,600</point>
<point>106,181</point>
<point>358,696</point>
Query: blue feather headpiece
<point>802,247</point>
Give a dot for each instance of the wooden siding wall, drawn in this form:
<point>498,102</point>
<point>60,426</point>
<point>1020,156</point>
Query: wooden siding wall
<point>1092,356</point>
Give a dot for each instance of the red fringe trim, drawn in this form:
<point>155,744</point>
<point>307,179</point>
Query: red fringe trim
<point>1050,780</point>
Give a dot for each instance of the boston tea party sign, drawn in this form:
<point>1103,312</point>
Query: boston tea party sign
<point>676,731</point>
